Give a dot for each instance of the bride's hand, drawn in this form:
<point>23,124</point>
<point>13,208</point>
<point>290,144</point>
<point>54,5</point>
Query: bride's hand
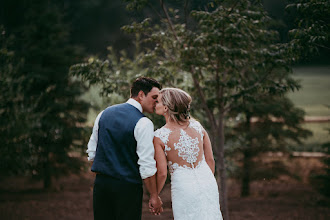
<point>155,204</point>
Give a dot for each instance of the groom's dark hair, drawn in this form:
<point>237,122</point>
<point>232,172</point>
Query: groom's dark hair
<point>144,84</point>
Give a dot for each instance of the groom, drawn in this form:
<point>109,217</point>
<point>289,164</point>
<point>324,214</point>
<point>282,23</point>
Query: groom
<point>121,146</point>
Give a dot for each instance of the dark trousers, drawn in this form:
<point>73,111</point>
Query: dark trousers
<point>116,199</point>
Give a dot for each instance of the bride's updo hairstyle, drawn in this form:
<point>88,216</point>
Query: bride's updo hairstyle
<point>178,104</point>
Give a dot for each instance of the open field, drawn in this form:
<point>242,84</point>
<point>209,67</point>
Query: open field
<point>314,99</point>
<point>320,136</point>
<point>314,96</point>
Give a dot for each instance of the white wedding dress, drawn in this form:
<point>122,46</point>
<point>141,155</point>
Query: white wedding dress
<point>194,190</point>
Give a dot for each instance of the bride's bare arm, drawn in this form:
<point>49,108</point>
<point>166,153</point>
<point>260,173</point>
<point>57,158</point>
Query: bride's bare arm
<point>208,151</point>
<point>161,164</point>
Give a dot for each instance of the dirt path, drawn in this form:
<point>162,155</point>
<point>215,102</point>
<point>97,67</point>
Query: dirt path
<point>21,199</point>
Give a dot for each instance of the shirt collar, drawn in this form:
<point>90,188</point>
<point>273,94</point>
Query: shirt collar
<point>135,103</point>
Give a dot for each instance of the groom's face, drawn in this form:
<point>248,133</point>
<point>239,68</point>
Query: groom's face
<point>148,101</point>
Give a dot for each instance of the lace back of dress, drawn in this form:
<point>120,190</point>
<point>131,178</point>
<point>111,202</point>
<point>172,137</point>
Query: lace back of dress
<point>183,147</point>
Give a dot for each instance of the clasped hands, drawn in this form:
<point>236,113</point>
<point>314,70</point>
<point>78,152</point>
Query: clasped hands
<point>155,204</point>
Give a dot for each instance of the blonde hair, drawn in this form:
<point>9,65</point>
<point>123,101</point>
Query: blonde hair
<point>178,104</point>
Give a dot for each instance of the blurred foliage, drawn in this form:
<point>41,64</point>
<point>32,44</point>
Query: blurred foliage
<point>312,27</point>
<point>268,125</point>
<point>41,114</point>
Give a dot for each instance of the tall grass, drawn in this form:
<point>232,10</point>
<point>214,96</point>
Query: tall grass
<point>314,96</point>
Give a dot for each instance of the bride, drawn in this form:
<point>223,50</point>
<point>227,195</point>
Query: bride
<point>184,147</point>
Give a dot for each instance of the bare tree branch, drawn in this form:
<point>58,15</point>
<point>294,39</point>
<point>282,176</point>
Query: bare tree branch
<point>168,19</point>
<point>159,15</point>
<point>232,7</point>
<point>186,12</point>
<point>218,87</point>
<point>323,46</point>
<point>209,113</point>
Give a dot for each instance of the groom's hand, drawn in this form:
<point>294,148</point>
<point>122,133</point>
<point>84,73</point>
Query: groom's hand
<point>155,204</point>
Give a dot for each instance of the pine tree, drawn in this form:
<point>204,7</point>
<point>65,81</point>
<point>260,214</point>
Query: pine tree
<point>45,108</point>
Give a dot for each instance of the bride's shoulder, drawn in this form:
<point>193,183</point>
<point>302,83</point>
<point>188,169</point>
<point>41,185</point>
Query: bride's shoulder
<point>194,122</point>
<point>163,133</point>
<point>196,125</point>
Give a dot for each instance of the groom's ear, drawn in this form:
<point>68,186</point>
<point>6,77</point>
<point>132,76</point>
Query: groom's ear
<point>140,95</point>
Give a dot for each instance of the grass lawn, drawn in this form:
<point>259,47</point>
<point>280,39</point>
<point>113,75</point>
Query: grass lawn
<point>314,96</point>
<point>319,137</point>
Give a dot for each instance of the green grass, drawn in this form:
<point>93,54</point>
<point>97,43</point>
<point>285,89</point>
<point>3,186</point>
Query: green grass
<point>314,142</point>
<point>314,99</point>
<point>314,96</point>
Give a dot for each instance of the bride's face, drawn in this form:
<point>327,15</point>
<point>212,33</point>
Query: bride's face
<point>160,108</point>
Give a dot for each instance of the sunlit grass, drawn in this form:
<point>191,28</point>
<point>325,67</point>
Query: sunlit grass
<point>314,99</point>
<point>314,96</point>
<point>313,143</point>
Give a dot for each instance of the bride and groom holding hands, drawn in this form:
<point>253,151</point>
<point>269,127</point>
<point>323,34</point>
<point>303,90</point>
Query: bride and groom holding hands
<point>127,153</point>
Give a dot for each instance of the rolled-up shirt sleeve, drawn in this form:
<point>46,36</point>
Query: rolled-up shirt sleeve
<point>92,143</point>
<point>144,135</point>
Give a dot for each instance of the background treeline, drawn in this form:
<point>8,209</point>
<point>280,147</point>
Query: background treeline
<point>94,25</point>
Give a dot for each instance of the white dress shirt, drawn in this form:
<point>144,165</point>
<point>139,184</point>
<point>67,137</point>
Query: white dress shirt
<point>144,135</point>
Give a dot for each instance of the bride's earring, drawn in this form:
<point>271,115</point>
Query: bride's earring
<point>165,110</point>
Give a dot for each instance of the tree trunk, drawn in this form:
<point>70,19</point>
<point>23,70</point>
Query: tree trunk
<point>221,170</point>
<point>47,177</point>
<point>245,191</point>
